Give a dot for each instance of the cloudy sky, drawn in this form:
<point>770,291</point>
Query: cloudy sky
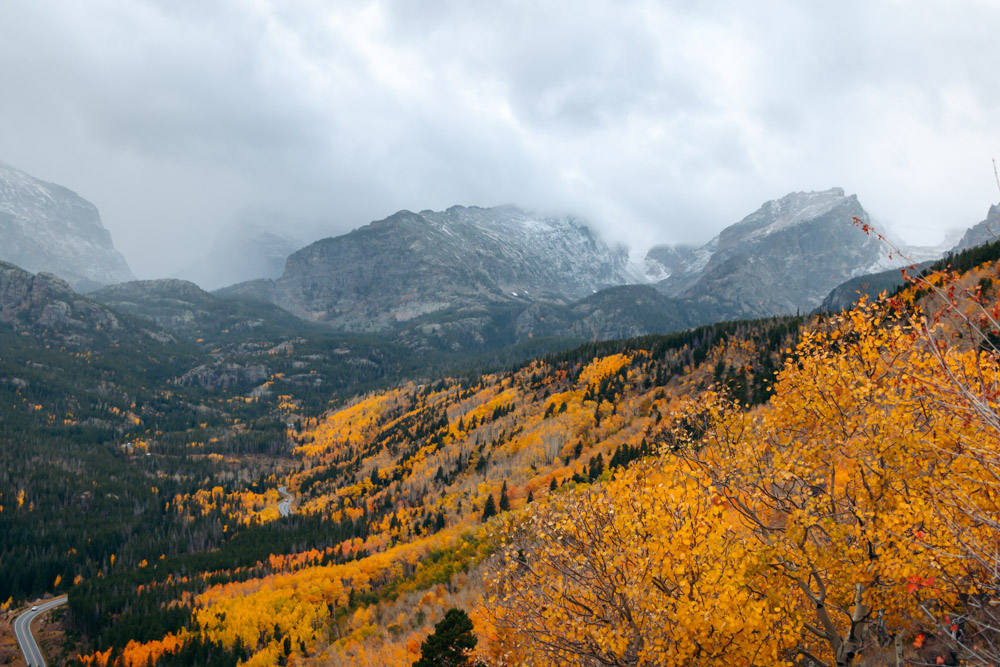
<point>657,121</point>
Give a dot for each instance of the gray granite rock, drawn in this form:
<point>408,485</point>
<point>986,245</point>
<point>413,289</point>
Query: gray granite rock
<point>46,227</point>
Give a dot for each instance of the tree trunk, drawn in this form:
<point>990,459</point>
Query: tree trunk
<point>853,641</point>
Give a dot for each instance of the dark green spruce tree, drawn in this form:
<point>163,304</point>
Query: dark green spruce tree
<point>450,643</point>
<point>490,508</point>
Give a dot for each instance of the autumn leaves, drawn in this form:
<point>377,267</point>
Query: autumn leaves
<point>839,520</point>
<point>849,518</point>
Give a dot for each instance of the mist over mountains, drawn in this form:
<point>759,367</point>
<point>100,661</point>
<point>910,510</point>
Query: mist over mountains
<point>241,253</point>
<point>472,278</point>
<point>462,271</point>
<point>46,227</point>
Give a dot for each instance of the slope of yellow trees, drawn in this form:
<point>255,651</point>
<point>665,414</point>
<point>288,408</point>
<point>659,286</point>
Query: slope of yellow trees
<point>853,515</point>
<point>851,519</point>
<point>416,465</point>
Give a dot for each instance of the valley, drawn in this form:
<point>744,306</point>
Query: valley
<point>226,479</point>
<point>506,334</point>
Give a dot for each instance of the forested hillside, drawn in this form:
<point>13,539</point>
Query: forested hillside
<point>391,495</point>
<point>766,492</point>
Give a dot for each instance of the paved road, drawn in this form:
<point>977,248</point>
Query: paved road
<point>22,629</point>
<point>285,506</point>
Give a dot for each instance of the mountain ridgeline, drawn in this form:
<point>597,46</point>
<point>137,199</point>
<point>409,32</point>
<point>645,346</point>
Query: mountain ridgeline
<point>478,278</point>
<point>457,263</point>
<point>467,280</point>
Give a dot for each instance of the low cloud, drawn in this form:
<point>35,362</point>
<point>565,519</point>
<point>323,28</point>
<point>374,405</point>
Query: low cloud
<point>660,122</point>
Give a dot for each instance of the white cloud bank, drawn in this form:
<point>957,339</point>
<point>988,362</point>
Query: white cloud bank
<point>658,121</point>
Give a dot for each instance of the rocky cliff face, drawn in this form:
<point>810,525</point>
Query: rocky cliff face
<point>44,307</point>
<point>413,264</point>
<point>783,258</point>
<point>986,231</point>
<point>45,227</point>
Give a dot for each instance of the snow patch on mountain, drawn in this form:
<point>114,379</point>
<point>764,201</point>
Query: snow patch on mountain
<point>789,211</point>
<point>46,227</point>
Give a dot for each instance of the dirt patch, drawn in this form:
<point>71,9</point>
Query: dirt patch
<point>10,653</point>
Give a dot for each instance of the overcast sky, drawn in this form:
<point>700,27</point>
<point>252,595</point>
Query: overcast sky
<point>657,121</point>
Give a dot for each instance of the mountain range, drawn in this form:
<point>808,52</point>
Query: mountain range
<point>471,278</point>
<point>457,273</point>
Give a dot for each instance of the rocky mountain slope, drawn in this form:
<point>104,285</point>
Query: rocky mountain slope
<point>169,332</point>
<point>46,227</point>
<point>251,346</point>
<point>183,308</point>
<point>986,231</point>
<point>45,307</point>
<point>783,258</point>
<point>412,264</point>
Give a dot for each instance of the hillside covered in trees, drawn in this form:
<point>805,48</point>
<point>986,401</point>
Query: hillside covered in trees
<point>795,491</point>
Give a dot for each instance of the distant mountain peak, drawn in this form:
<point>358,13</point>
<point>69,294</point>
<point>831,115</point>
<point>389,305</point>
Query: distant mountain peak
<point>784,257</point>
<point>788,211</point>
<point>409,265</point>
<point>984,232</point>
<point>47,227</point>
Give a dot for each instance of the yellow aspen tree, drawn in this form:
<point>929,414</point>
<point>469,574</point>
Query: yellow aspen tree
<point>646,571</point>
<point>833,482</point>
<point>958,378</point>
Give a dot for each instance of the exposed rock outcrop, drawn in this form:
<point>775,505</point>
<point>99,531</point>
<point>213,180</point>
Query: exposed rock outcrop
<point>45,227</point>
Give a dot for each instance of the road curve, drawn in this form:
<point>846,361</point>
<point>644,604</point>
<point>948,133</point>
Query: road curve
<point>22,629</point>
<point>285,506</point>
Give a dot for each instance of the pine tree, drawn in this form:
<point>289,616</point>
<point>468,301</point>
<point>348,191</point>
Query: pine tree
<point>596,467</point>
<point>504,500</point>
<point>450,643</point>
<point>490,508</point>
